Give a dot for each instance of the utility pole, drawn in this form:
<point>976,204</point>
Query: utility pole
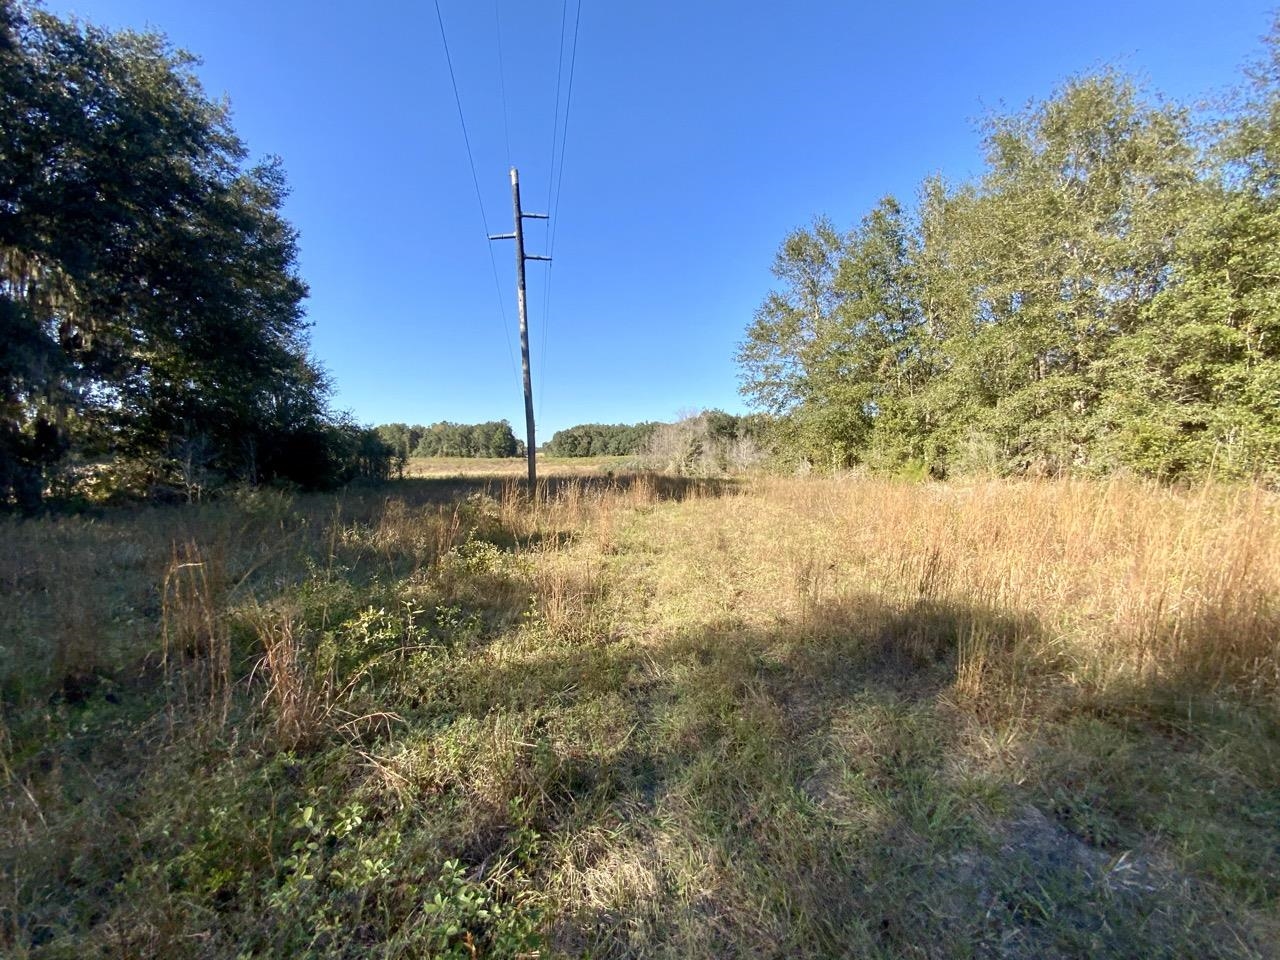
<point>521,257</point>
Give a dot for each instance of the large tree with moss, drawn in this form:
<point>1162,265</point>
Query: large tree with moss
<point>150,307</point>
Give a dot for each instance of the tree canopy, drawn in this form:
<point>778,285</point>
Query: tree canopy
<point>150,305</point>
<point>446,439</point>
<point>1104,296</point>
<point>599,440</point>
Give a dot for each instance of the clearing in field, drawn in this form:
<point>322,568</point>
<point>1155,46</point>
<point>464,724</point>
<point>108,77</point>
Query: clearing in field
<point>513,468</point>
<point>646,716</point>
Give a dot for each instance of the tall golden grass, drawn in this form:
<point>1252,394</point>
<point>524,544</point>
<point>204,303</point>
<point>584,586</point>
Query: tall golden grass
<point>1116,587</point>
<point>195,646</point>
<point>1119,584</point>
<point>700,688</point>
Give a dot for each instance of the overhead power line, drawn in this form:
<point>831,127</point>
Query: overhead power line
<point>568,107</point>
<point>551,183</point>
<point>475,181</point>
<point>557,178</point>
<point>555,129</point>
<point>502,81</point>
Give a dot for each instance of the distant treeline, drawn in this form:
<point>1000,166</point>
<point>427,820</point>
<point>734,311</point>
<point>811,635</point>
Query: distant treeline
<point>445,439</point>
<point>701,443</point>
<point>152,335</point>
<point>599,440</point>
<point>640,439</point>
<point>1105,296</point>
<point>709,443</point>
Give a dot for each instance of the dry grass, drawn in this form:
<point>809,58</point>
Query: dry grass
<point>513,467</point>
<point>645,716</point>
<point>1117,585</point>
<point>300,701</point>
<point>195,649</point>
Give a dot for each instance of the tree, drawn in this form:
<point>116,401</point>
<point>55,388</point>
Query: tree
<point>149,295</point>
<point>837,348</point>
<point>1199,387</point>
<point>1104,296</point>
<point>1055,257</point>
<point>445,439</point>
<point>599,439</point>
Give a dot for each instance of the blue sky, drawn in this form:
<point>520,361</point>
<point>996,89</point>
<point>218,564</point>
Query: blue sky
<point>700,133</point>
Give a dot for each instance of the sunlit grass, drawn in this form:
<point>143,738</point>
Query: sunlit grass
<point>514,466</point>
<point>646,716</point>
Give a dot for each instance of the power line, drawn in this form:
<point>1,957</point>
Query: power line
<point>568,107</point>
<point>555,130</point>
<point>551,183</point>
<point>502,81</point>
<point>558,178</point>
<point>475,180</point>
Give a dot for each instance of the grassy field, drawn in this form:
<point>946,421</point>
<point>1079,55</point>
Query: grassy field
<point>515,467</point>
<point>646,716</point>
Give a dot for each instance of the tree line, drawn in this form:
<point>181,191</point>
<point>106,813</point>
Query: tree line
<point>150,306</point>
<point>599,440</point>
<point>703,443</point>
<point>709,443</point>
<point>446,439</point>
<point>1104,296</point>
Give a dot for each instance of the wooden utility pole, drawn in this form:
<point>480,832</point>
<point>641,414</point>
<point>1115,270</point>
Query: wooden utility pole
<point>521,257</point>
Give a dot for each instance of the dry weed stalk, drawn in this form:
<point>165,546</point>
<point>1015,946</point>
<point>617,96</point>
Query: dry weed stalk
<point>300,701</point>
<point>448,530</point>
<point>566,590</point>
<point>513,512</point>
<point>642,491</point>
<point>195,644</point>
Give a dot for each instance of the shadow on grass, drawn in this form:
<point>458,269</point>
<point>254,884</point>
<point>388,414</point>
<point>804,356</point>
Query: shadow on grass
<point>868,781</point>
<point>80,600</point>
<point>831,789</point>
<point>423,490</point>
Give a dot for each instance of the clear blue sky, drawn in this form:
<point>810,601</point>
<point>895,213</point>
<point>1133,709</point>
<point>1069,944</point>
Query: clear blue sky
<point>701,132</point>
